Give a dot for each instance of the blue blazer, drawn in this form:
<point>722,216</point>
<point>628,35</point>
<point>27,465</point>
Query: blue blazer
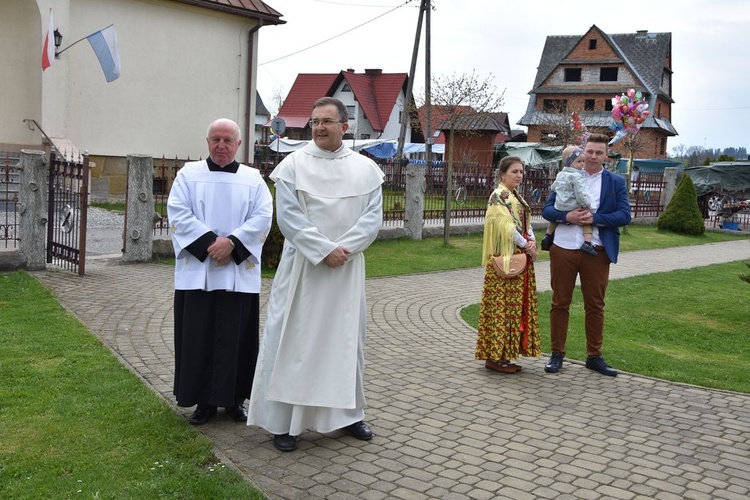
<point>613,212</point>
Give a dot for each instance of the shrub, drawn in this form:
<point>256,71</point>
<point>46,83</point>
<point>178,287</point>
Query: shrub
<point>682,215</point>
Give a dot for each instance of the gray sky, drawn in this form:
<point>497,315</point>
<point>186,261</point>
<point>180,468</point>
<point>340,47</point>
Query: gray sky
<point>710,44</point>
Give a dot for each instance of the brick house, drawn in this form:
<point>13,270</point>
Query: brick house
<point>583,73</point>
<point>375,101</point>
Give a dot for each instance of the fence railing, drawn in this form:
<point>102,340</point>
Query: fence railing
<point>471,187</point>
<point>9,187</point>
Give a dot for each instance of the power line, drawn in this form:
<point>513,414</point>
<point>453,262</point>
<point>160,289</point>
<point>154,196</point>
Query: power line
<point>337,36</point>
<point>352,4</point>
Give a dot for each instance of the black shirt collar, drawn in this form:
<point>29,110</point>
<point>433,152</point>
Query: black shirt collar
<point>231,167</point>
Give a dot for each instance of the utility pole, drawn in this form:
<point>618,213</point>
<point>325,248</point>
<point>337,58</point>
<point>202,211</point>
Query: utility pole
<point>410,84</point>
<point>428,140</point>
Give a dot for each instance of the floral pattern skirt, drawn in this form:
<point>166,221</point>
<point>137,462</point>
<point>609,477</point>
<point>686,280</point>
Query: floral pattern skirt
<point>508,316</point>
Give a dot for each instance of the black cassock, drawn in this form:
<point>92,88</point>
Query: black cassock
<point>216,346</point>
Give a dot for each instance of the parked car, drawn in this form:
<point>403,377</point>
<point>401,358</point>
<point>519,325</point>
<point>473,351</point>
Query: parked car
<point>721,186</point>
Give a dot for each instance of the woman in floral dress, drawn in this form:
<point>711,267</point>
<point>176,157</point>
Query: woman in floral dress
<point>508,313</point>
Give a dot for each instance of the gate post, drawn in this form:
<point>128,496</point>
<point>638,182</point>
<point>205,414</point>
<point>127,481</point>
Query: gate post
<point>33,208</point>
<point>414,203</point>
<point>139,219</point>
<point>670,184</point>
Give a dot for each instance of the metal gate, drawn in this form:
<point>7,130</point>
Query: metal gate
<point>67,212</point>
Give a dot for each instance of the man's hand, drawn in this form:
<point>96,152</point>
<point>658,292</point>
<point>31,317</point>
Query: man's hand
<point>338,257</point>
<point>580,217</point>
<point>221,250</point>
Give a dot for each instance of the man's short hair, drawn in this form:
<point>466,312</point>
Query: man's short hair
<point>340,107</point>
<point>597,138</point>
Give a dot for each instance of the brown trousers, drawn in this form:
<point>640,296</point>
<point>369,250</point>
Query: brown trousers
<point>565,266</point>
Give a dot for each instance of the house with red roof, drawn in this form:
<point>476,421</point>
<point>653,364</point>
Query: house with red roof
<point>376,102</point>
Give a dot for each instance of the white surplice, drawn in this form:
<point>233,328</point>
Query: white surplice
<point>309,374</point>
<point>226,203</point>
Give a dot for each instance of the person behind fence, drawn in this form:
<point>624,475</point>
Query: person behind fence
<point>610,210</point>
<point>570,188</point>
<point>220,214</point>
<point>508,312</point>
<point>311,364</point>
<point>635,174</point>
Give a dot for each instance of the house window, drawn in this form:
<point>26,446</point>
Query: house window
<point>663,146</point>
<point>346,88</point>
<point>608,74</point>
<point>572,74</point>
<point>555,105</point>
<point>352,111</point>
<point>588,105</point>
<point>608,105</point>
<point>658,110</point>
<point>592,44</point>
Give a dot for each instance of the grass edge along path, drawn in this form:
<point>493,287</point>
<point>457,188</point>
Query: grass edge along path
<point>405,256</point>
<point>689,326</point>
<point>74,422</point>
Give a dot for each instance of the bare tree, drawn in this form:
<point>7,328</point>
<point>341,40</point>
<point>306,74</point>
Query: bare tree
<point>679,151</point>
<point>460,99</point>
<point>277,100</point>
<point>632,143</point>
<point>555,124</point>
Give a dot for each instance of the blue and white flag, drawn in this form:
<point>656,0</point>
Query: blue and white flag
<point>104,43</point>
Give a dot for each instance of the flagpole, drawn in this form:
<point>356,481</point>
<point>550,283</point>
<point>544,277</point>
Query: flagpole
<point>80,40</point>
<point>69,46</point>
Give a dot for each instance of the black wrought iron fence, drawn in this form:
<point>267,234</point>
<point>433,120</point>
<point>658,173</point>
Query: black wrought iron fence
<point>9,186</point>
<point>471,187</point>
<point>647,196</point>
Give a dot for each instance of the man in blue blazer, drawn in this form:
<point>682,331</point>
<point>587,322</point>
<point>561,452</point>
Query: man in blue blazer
<point>610,210</point>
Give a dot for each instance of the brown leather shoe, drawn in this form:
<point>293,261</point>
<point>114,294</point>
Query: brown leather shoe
<point>502,367</point>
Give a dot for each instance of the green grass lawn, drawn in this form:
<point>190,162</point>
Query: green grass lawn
<point>74,423</point>
<point>405,256</point>
<point>688,326</point>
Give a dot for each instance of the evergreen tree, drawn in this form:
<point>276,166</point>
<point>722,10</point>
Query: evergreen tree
<point>682,215</point>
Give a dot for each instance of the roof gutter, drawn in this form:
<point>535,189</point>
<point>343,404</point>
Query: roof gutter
<point>251,89</point>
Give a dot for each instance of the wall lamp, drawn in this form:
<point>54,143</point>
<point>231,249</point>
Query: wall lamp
<point>58,41</point>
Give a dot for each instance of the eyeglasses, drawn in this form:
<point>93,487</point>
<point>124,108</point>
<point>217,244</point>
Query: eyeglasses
<point>325,121</point>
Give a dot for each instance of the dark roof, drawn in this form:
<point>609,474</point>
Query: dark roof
<point>375,91</point>
<point>254,9</point>
<point>642,53</point>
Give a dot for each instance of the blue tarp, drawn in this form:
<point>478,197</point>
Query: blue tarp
<point>388,149</point>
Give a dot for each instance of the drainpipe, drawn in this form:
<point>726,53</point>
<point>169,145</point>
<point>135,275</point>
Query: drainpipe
<point>252,90</point>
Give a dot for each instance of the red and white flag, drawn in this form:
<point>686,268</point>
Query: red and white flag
<point>48,49</point>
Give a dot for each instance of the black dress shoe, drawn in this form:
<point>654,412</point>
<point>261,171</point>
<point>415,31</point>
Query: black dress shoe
<point>285,442</point>
<point>598,364</point>
<point>238,413</point>
<point>555,363</point>
<point>359,430</point>
<point>202,414</point>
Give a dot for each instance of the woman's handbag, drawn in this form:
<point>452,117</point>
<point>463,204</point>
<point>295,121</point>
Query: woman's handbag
<point>516,267</point>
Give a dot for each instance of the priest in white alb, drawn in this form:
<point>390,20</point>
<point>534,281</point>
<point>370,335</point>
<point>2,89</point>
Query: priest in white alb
<point>220,215</point>
<point>310,371</point>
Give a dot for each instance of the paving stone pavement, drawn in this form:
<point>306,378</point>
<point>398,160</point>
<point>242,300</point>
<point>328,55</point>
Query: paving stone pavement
<point>444,426</point>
